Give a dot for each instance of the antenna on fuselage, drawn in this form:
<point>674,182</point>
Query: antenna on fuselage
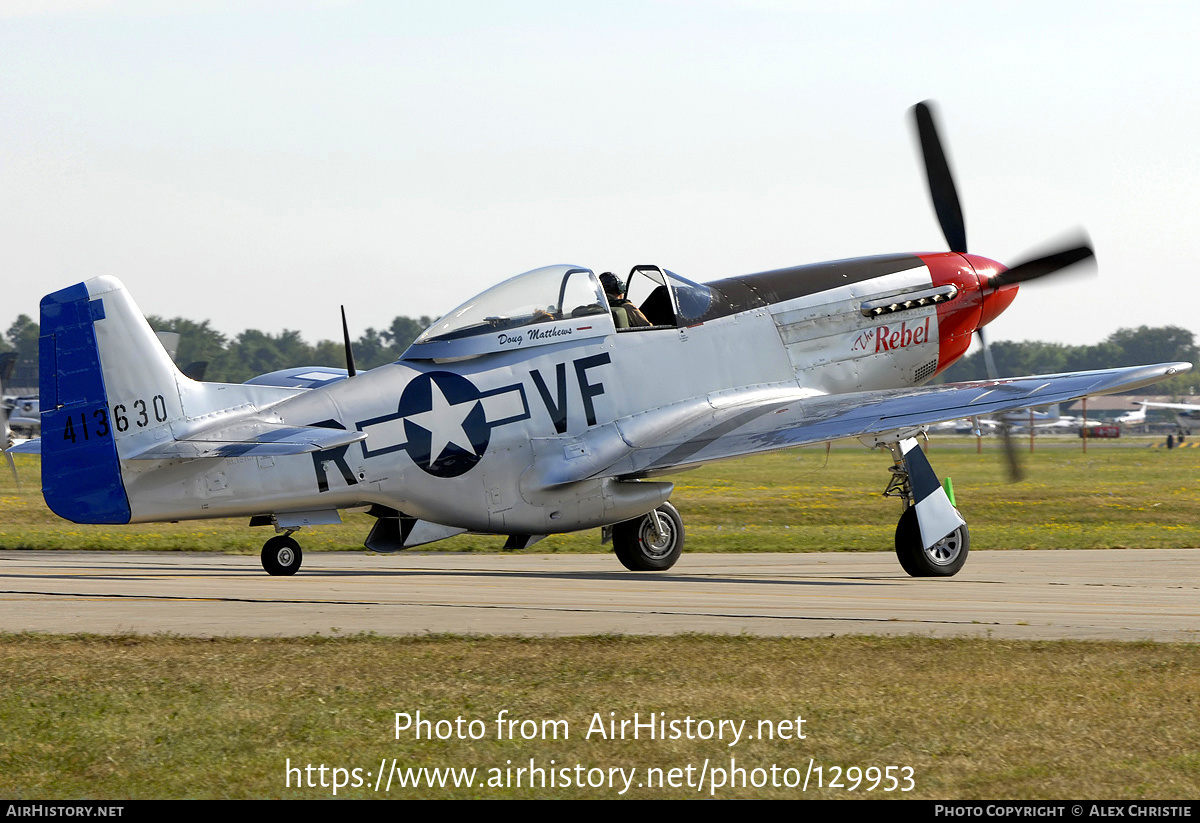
<point>350,370</point>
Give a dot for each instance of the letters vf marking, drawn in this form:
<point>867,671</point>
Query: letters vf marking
<point>556,404</point>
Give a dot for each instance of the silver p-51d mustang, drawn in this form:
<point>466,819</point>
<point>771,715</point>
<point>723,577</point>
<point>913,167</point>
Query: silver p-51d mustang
<point>526,412</point>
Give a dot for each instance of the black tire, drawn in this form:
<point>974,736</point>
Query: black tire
<point>942,559</point>
<point>281,555</point>
<point>635,546</point>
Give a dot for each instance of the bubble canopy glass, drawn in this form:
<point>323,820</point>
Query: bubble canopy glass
<point>547,305</point>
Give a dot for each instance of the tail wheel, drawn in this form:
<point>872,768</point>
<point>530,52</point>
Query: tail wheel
<point>943,559</point>
<point>640,548</point>
<point>281,555</point>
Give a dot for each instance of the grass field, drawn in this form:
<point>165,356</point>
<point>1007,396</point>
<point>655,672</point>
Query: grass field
<point>137,717</point>
<point>1120,494</point>
<point>165,717</point>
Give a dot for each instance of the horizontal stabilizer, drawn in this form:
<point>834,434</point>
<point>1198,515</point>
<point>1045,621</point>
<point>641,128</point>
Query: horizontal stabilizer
<point>254,439</point>
<point>304,377</point>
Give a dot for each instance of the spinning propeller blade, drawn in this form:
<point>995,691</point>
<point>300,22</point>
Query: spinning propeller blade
<point>941,180</point>
<point>944,194</point>
<point>1015,472</point>
<point>1044,265</point>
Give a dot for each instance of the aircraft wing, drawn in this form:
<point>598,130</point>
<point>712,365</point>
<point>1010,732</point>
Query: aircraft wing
<point>766,418</point>
<point>1178,406</point>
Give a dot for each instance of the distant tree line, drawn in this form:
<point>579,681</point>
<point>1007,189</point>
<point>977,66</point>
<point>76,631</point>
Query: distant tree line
<point>22,336</point>
<point>1125,347</point>
<point>253,352</point>
<point>236,359</point>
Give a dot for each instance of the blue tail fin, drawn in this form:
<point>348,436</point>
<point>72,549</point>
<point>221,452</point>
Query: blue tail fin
<point>81,474</point>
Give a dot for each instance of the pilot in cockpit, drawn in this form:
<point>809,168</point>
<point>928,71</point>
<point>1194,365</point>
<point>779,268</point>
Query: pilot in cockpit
<point>625,314</point>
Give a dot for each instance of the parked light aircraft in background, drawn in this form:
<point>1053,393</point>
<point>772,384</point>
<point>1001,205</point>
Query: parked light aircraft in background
<point>19,413</point>
<point>1187,415</point>
<point>1052,417</point>
<point>24,416</point>
<point>1049,421</point>
<point>525,412</point>
<point>1133,418</point>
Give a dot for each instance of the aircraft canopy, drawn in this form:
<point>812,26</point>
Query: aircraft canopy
<point>552,304</point>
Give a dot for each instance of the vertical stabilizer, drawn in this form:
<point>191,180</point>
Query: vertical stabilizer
<point>107,387</point>
<point>140,377</point>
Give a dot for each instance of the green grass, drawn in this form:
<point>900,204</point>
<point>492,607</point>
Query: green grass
<point>136,717</point>
<point>1123,494</point>
<point>164,717</point>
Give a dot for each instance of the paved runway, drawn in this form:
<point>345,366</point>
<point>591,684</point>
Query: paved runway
<point>1115,594</point>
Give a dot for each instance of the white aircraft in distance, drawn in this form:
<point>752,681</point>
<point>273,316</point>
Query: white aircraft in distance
<point>1134,418</point>
<point>24,416</point>
<point>1052,416</point>
<point>1187,415</point>
<point>19,413</point>
<point>526,411</point>
<point>1049,421</point>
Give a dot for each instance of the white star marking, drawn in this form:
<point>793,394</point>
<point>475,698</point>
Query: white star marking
<point>444,422</point>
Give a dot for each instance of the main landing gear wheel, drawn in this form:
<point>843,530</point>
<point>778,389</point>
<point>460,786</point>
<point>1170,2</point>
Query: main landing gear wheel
<point>640,549</point>
<point>943,559</point>
<point>281,555</point>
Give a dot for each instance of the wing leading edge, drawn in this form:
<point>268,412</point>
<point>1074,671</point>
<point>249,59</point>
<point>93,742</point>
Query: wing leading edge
<point>767,418</point>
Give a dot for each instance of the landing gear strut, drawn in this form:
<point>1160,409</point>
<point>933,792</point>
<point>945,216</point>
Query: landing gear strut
<point>650,543</point>
<point>281,555</point>
<point>946,556</point>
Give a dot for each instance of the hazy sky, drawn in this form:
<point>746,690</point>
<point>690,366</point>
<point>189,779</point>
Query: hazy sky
<point>258,163</point>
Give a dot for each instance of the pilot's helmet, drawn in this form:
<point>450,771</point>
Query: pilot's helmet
<point>612,286</point>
